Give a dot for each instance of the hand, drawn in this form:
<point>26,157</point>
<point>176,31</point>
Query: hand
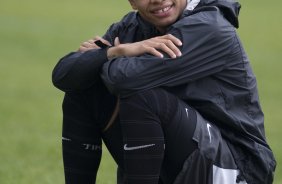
<point>89,45</point>
<point>155,46</point>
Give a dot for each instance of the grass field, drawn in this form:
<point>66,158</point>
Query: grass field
<point>34,34</point>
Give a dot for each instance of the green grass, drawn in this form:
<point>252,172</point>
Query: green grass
<point>261,35</point>
<point>34,34</point>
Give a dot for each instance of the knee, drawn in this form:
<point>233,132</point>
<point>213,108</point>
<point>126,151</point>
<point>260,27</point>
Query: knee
<point>157,101</point>
<point>150,95</point>
<point>145,99</point>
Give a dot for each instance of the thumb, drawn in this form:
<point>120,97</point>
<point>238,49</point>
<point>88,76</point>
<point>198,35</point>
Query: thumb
<point>117,42</point>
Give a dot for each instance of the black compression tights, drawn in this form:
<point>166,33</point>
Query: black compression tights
<point>85,116</point>
<point>157,133</point>
<point>81,142</point>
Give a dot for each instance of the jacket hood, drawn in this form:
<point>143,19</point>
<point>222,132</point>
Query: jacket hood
<point>229,8</point>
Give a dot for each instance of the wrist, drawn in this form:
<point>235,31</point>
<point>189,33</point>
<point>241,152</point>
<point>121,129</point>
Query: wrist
<point>113,52</point>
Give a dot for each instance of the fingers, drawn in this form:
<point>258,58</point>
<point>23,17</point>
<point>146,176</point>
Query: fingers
<point>102,40</point>
<point>172,38</point>
<point>157,46</point>
<point>174,43</point>
<point>117,42</point>
<point>153,51</point>
<point>169,48</point>
<point>90,44</point>
<point>167,44</point>
<point>170,45</point>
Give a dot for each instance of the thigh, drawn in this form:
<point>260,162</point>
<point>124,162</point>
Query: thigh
<point>193,145</point>
<point>167,113</point>
<point>178,121</point>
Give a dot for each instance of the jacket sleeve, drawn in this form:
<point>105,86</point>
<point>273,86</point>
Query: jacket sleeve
<point>78,71</point>
<point>207,40</point>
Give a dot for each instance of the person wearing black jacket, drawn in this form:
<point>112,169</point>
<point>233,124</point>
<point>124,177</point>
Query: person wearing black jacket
<point>210,82</point>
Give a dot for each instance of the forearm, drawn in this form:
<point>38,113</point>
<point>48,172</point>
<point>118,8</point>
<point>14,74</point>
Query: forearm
<point>79,71</point>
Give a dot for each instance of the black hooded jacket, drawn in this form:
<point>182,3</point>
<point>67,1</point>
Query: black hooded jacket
<point>213,75</point>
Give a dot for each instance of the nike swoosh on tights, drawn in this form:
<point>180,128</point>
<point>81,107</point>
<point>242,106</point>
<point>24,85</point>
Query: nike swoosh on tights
<point>126,148</point>
<point>65,139</point>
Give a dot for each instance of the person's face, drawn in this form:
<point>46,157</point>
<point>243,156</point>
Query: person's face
<point>160,13</point>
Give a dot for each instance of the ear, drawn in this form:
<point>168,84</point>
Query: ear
<point>133,5</point>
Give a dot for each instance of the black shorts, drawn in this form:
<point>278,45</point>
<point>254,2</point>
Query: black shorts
<point>212,162</point>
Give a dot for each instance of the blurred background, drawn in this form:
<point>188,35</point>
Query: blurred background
<point>34,34</point>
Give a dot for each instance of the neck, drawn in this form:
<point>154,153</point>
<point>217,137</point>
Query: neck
<point>162,30</point>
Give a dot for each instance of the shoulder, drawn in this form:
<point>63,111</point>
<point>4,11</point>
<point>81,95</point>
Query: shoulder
<point>128,20</point>
<point>204,29</point>
<point>130,17</point>
<point>125,25</point>
<point>206,19</point>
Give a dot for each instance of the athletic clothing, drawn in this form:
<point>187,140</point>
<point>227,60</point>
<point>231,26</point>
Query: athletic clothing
<point>213,76</point>
<point>83,130</point>
<point>85,116</point>
<point>157,133</point>
<point>172,128</point>
<point>175,133</point>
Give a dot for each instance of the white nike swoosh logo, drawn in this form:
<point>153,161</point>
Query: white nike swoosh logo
<point>65,139</point>
<point>209,126</point>
<point>187,112</point>
<point>126,148</point>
